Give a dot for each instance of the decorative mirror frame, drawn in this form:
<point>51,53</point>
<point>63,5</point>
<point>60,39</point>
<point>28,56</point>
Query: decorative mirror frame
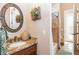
<point>3,11</point>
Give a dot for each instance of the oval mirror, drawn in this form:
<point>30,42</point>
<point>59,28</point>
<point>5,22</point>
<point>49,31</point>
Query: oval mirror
<point>12,17</point>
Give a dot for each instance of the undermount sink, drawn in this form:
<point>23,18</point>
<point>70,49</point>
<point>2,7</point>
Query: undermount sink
<point>17,44</point>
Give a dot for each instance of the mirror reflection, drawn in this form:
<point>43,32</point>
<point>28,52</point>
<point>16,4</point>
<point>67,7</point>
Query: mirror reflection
<point>12,17</point>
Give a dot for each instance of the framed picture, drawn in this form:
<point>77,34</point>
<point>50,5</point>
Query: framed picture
<point>35,14</point>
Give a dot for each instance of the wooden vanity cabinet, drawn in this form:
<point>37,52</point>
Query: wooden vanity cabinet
<point>32,50</point>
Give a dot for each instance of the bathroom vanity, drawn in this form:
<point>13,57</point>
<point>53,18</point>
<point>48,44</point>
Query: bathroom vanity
<point>31,50</point>
<point>28,47</point>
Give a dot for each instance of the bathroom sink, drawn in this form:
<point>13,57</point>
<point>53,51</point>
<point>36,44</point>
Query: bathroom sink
<point>17,44</point>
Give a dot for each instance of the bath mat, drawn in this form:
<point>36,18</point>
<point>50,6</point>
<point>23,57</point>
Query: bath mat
<point>63,52</point>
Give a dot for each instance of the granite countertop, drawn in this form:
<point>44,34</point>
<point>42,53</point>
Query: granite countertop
<point>25,44</point>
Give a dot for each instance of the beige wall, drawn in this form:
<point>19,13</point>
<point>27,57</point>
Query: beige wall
<point>77,5</point>
<point>39,29</point>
